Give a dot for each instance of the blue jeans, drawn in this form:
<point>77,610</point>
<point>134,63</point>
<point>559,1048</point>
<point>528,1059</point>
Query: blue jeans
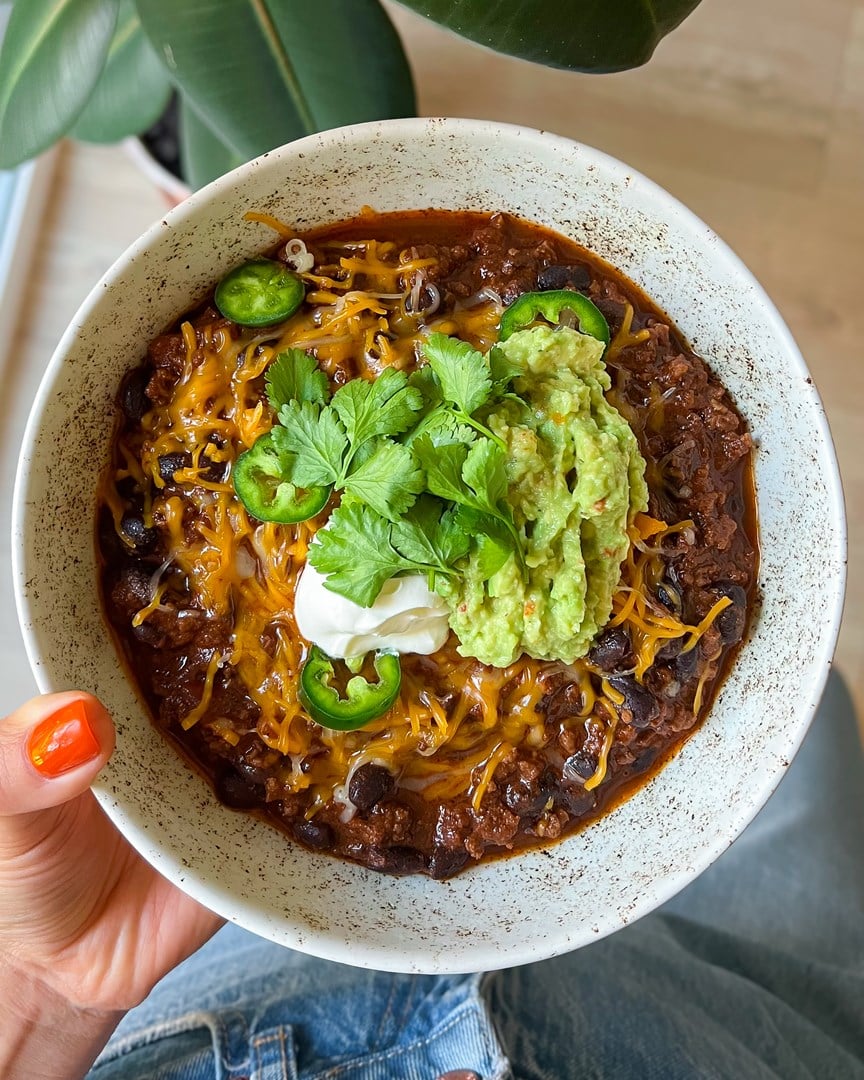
<point>754,971</point>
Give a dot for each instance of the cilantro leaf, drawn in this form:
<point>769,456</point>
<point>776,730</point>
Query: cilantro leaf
<point>451,540</point>
<point>442,426</point>
<point>491,543</point>
<point>474,478</point>
<point>385,406</point>
<point>461,370</point>
<point>483,471</point>
<point>316,437</point>
<point>491,553</point>
<point>388,480</point>
<point>354,551</point>
<point>443,467</point>
<point>426,535</point>
<point>295,376</point>
<point>426,381</point>
<point>502,370</point>
<point>463,377</point>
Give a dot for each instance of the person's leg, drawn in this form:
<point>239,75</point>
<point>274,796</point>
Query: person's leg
<point>244,1008</point>
<point>795,877</point>
<point>756,970</point>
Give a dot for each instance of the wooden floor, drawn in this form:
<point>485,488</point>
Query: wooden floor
<point>752,114</point>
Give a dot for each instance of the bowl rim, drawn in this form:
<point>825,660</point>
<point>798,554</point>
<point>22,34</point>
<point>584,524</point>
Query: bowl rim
<point>319,942</point>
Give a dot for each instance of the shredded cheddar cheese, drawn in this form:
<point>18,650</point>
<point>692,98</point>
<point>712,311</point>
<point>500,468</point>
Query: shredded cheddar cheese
<point>625,337</point>
<point>195,715</point>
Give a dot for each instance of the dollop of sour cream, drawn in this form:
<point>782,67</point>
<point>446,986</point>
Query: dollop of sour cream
<point>405,618</point>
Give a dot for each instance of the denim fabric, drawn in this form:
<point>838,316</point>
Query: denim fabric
<point>270,1014</point>
<point>755,971</point>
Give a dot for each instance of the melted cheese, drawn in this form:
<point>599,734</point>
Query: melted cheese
<point>625,337</point>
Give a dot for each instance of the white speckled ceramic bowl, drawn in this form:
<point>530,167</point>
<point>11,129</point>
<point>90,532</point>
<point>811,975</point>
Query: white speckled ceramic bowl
<point>544,902</point>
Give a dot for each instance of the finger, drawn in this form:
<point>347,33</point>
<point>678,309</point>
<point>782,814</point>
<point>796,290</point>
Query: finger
<point>51,750</point>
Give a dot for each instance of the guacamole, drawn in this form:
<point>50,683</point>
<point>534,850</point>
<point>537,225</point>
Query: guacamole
<point>575,480</point>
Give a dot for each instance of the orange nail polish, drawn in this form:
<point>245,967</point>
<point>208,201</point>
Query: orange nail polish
<point>63,741</point>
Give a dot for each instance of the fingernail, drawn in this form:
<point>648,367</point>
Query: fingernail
<point>63,741</point>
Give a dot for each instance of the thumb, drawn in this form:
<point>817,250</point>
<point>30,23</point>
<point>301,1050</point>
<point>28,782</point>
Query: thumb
<point>51,750</point>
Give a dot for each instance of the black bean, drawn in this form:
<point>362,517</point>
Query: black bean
<point>313,834</point>
<point>645,759</point>
<point>171,463</point>
<point>581,765</point>
<point>559,277</point>
<point>127,488</point>
<point>670,598</point>
<point>731,620</point>
<point>237,791</point>
<point>671,649</point>
<point>447,701</point>
<point>575,800</point>
<point>214,471</point>
<point>613,310</point>
<point>253,773</point>
<point>396,860</point>
<point>685,663</point>
<point>612,650</point>
<point>252,751</point>
<point>133,399</point>
<point>152,633</point>
<point>641,703</point>
<point>529,799</point>
<point>137,533</point>
<point>368,786</point>
<point>405,860</point>
<point>444,862</point>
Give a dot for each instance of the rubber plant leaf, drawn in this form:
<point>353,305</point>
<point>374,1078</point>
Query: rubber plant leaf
<point>52,55</point>
<point>593,36</point>
<point>132,91</point>
<point>263,72</point>
<point>203,155</point>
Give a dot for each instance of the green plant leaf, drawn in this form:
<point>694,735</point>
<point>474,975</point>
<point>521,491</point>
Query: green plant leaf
<point>263,72</point>
<point>133,89</point>
<point>388,480</point>
<point>52,57</point>
<point>295,376</point>
<point>203,155</point>
<point>582,35</point>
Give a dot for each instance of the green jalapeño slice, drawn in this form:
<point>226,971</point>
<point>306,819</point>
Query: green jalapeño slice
<point>361,701</point>
<point>261,486</point>
<point>532,306</point>
<point>259,293</point>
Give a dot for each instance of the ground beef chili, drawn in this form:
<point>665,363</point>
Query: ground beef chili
<point>604,713</point>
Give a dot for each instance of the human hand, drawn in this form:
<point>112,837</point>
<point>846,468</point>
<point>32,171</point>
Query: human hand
<point>87,927</point>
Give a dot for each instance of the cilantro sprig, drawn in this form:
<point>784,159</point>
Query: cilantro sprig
<point>475,479</point>
<point>457,382</point>
<point>422,478</point>
<point>359,550</point>
<point>345,444</point>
